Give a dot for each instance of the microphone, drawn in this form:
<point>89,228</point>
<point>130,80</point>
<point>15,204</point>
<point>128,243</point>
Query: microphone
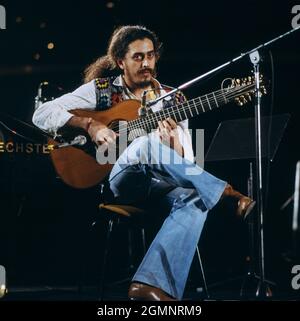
<point>143,104</point>
<point>79,140</point>
<point>144,109</point>
<point>39,99</point>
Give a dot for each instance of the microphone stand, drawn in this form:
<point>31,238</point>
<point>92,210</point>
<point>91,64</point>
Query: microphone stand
<point>38,100</point>
<point>263,290</point>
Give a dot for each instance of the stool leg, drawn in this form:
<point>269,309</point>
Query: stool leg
<point>143,240</point>
<point>202,272</point>
<point>130,252</point>
<point>106,249</point>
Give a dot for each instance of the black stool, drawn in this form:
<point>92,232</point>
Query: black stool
<point>114,214</point>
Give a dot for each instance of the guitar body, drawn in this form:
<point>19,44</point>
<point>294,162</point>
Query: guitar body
<point>78,168</point>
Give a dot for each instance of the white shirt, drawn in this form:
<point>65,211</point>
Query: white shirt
<point>54,114</point>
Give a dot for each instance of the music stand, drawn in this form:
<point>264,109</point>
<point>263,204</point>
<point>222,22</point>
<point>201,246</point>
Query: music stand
<point>241,135</point>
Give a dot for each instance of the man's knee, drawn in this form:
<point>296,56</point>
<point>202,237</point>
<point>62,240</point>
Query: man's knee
<point>132,184</point>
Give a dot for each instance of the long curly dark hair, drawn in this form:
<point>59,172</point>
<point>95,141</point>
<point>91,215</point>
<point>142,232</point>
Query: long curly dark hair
<point>121,38</point>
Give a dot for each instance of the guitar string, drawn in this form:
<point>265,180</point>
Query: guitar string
<point>138,124</point>
<point>143,127</point>
<point>144,121</point>
<point>141,124</point>
<point>134,125</point>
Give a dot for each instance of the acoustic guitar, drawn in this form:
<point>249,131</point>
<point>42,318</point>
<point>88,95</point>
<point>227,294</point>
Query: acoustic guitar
<point>77,166</point>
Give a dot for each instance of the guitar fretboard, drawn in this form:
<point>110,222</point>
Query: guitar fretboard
<point>187,109</point>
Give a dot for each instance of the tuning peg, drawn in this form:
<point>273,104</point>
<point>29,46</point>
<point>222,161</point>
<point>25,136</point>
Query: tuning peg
<point>238,101</point>
<point>244,100</point>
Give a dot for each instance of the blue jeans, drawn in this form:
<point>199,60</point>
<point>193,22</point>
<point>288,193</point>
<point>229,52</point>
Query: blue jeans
<point>134,178</point>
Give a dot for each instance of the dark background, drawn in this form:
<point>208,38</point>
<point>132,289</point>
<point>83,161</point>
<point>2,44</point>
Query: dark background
<point>44,224</point>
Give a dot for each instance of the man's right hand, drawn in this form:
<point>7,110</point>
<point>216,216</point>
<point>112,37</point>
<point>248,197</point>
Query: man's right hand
<point>101,134</point>
<point>98,132</point>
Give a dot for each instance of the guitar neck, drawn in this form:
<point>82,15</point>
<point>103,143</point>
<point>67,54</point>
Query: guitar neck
<point>188,109</point>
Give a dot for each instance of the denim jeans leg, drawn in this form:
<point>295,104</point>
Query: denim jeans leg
<point>130,184</point>
<point>167,262</point>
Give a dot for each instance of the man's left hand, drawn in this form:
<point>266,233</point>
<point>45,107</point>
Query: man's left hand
<point>168,134</point>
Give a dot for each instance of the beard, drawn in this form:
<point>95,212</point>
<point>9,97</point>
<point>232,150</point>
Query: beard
<point>137,80</point>
<point>146,83</point>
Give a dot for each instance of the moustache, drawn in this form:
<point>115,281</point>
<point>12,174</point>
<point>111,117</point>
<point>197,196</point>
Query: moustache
<point>146,69</point>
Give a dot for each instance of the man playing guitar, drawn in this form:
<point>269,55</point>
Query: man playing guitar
<point>141,172</point>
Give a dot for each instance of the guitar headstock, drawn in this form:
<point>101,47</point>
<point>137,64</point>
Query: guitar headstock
<point>244,89</point>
